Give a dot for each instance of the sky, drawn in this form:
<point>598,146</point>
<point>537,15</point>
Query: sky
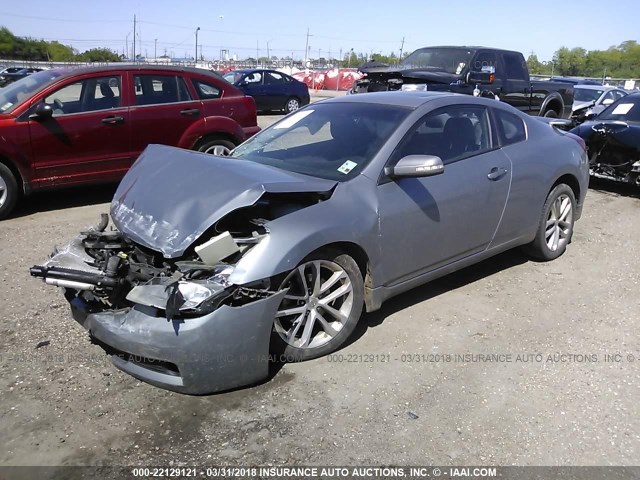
<point>248,27</point>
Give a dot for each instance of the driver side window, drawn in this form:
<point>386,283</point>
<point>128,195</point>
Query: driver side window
<point>86,96</point>
<point>451,133</point>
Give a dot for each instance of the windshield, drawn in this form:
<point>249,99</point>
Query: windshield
<point>626,109</point>
<point>586,94</point>
<point>334,141</point>
<point>17,92</point>
<point>450,60</point>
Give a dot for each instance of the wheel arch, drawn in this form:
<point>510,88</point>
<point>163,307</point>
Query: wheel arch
<point>22,185</point>
<point>571,181</point>
<point>552,102</point>
<point>361,258</point>
<point>215,136</point>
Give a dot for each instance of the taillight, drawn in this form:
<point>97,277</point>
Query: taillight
<point>579,140</point>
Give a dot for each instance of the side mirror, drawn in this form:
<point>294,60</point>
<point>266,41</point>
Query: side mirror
<point>486,76</point>
<point>415,166</point>
<point>42,111</point>
<point>607,101</point>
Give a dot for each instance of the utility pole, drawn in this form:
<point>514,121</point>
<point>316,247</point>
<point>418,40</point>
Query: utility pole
<point>257,51</point>
<point>268,54</point>
<point>196,56</point>
<point>155,50</point>
<point>134,38</point>
<point>306,50</point>
<point>401,48</point>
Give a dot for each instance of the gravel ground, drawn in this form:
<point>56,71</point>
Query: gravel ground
<point>63,403</point>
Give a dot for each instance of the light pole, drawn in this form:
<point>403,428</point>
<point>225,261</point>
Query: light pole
<point>155,50</point>
<point>126,42</point>
<point>196,57</point>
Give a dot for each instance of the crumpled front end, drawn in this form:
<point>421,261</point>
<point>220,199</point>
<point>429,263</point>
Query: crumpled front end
<point>404,79</point>
<point>178,324</point>
<point>158,291</point>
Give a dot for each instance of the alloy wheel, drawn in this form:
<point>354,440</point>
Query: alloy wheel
<point>317,305</point>
<point>559,223</point>
<point>219,150</point>
<point>4,191</point>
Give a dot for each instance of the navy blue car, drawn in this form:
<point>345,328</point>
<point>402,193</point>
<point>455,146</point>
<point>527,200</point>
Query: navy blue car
<point>272,90</point>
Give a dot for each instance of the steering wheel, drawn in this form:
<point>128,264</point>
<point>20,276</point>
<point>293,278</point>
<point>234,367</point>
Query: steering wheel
<point>58,104</point>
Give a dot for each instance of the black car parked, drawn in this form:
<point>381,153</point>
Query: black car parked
<point>613,140</point>
<point>272,90</point>
<point>479,71</point>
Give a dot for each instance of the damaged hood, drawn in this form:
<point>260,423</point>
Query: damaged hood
<point>170,196</point>
<point>427,74</point>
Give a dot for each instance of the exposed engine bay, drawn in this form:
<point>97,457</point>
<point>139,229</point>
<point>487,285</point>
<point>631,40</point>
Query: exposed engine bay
<point>611,158</point>
<point>105,270</point>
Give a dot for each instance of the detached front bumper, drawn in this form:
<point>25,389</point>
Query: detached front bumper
<point>225,349</point>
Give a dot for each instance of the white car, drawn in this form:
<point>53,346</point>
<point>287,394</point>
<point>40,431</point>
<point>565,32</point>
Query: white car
<point>598,95</point>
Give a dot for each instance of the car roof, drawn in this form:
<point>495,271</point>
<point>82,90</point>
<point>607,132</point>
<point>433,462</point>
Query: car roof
<point>401,99</point>
<point>67,72</point>
<point>251,70</point>
<point>596,87</point>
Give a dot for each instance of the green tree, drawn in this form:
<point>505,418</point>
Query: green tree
<point>98,55</point>
<point>570,62</point>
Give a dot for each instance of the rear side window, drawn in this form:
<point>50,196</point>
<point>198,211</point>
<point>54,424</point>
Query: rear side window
<point>154,89</point>
<point>511,127</point>
<point>274,78</point>
<point>206,90</point>
<point>514,66</point>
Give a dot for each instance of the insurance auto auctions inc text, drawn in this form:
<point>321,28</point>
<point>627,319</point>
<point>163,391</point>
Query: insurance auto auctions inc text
<point>353,472</point>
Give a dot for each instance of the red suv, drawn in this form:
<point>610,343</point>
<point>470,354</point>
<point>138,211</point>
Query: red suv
<point>70,127</point>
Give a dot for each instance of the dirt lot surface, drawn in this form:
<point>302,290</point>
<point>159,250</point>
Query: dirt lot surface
<point>413,387</point>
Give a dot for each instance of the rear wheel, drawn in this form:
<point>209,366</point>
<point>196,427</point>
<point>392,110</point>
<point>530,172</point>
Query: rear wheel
<point>321,308</point>
<point>292,105</point>
<point>8,191</point>
<point>556,225</point>
<point>215,146</point>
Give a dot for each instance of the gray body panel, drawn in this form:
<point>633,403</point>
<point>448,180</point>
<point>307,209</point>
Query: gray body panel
<point>411,230</point>
<point>219,351</point>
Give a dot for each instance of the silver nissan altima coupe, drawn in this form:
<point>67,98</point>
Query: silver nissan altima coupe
<point>216,266</point>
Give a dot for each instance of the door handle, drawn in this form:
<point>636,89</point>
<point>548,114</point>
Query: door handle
<point>190,112</point>
<point>112,120</point>
<point>497,173</point>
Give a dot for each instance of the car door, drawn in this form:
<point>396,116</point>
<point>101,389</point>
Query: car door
<point>516,85</point>
<point>162,109</point>
<point>252,84</point>
<point>275,90</point>
<point>87,137</point>
<point>429,222</point>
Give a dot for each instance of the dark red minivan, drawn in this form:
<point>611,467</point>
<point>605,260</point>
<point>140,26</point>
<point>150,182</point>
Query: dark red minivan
<point>88,125</point>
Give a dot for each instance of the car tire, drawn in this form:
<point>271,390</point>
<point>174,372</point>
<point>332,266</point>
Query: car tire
<point>215,146</point>
<point>9,191</point>
<point>311,322</point>
<point>292,104</point>
<point>550,114</point>
<point>555,228</point>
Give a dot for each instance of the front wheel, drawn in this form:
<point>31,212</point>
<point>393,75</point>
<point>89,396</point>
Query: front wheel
<point>550,114</point>
<point>321,308</point>
<point>8,191</point>
<point>556,224</point>
<point>292,105</point>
